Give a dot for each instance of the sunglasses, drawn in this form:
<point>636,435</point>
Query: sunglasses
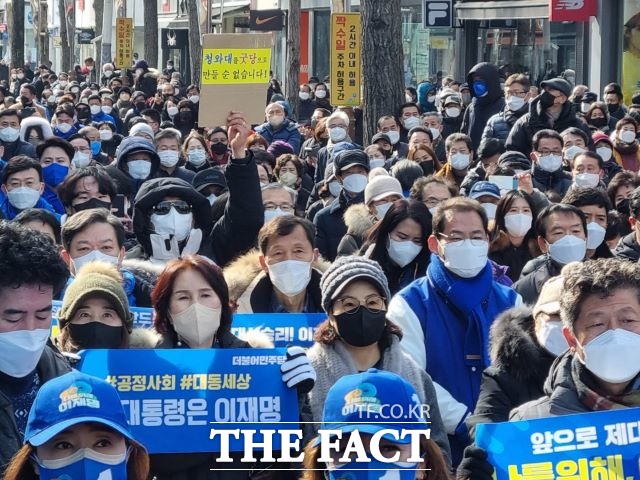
<point>163,208</point>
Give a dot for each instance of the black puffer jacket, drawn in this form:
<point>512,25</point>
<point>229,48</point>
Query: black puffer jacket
<point>521,136</point>
<point>530,284</point>
<point>52,364</point>
<point>558,181</point>
<point>519,367</point>
<point>482,109</point>
<point>628,248</point>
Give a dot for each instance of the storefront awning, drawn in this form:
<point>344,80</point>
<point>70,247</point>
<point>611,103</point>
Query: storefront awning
<point>501,10</point>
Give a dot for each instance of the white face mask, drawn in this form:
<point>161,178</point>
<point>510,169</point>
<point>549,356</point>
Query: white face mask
<point>304,96</point>
<point>212,198</point>
<point>355,183</point>
<point>337,134</point>
<point>431,98</point>
<point>628,136</point>
<point>408,98</point>
<point>452,112</point>
<point>172,111</point>
<point>550,163</point>
<point>376,162</point>
<point>106,135</point>
<point>93,256</point>
<point>276,120</point>
<point>568,249</point>
<point>584,107</point>
<point>335,188</point>
<point>435,133</point>
<point>613,356</point>
<point>394,136</point>
<point>605,152</point>
<point>197,325</point>
<point>403,253</point>
<point>518,224</point>
<point>194,98</point>
<point>586,180</point>
<point>20,351</point>
<point>460,161</point>
<point>168,158</point>
<point>411,122</point>
<point>81,159</point>
<point>107,109</point>
<point>173,223</point>
<point>433,210</point>
<point>290,276</point>
<point>95,109</point>
<point>23,197</point>
<point>108,73</point>
<point>271,214</point>
<point>572,152</point>
<point>139,169</point>
<point>515,103</point>
<point>465,259</point>
<point>595,235</point>
<point>289,179</point>
<point>321,93</point>
<point>382,209</point>
<point>197,157</point>
<point>551,338</point>
<point>9,134</point>
<point>490,209</point>
<point>64,127</point>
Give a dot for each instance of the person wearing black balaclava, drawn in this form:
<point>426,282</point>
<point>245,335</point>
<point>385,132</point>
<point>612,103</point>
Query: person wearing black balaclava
<point>185,120</point>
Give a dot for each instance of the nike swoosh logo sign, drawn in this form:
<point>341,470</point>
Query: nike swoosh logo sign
<point>261,21</point>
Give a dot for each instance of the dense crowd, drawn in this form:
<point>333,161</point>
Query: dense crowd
<point>479,254</point>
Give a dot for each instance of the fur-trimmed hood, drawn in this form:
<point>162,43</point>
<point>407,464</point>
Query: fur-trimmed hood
<point>144,338</point>
<point>515,349</point>
<point>358,220</point>
<point>240,273</point>
<point>30,122</point>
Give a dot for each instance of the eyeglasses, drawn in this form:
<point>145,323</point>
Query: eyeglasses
<point>285,207</point>
<point>164,207</point>
<point>545,152</point>
<point>477,240</point>
<point>373,303</point>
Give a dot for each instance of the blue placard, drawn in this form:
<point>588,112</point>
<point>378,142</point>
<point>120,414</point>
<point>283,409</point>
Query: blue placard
<point>174,397</point>
<point>283,329</point>
<point>588,446</point>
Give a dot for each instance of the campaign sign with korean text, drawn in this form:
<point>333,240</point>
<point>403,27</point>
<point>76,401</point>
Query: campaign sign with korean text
<point>586,446</point>
<point>173,398</point>
<point>283,329</point>
<point>142,317</point>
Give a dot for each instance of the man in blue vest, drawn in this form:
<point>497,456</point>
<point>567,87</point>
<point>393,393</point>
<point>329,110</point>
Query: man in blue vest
<point>446,315</point>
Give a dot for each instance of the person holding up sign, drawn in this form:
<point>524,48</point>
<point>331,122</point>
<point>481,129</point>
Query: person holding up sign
<point>77,429</point>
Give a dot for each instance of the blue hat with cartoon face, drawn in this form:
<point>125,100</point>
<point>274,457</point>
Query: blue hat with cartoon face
<point>373,401</point>
<point>71,399</point>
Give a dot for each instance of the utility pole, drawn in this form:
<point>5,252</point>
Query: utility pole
<point>293,56</point>
<point>107,33</point>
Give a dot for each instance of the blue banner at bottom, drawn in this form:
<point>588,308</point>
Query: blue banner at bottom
<point>173,398</point>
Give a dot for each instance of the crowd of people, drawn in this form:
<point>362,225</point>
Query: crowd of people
<point>480,253</point>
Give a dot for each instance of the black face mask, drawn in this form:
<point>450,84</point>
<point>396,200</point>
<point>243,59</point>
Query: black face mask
<point>92,203</point>
<point>613,107</point>
<point>96,335</point>
<point>577,100</point>
<point>546,100</point>
<point>598,122</point>
<point>361,328</point>
<point>219,148</point>
<point>623,207</point>
<point>140,106</point>
<point>24,100</point>
<point>427,167</point>
<point>84,114</point>
<point>185,117</point>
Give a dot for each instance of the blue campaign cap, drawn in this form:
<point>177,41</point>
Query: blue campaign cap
<point>482,188</point>
<point>372,401</point>
<point>74,398</point>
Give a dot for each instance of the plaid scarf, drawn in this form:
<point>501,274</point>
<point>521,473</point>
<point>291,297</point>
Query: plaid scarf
<point>586,388</point>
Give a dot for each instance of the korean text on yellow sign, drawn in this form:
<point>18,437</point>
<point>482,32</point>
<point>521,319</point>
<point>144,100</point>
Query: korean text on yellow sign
<point>124,42</point>
<point>235,65</point>
<point>345,59</point>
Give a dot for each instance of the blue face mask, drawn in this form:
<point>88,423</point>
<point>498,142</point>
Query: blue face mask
<point>95,147</point>
<point>480,88</point>
<point>54,174</point>
<point>84,464</point>
<point>375,470</point>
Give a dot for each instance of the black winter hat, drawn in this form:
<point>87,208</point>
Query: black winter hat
<point>514,159</point>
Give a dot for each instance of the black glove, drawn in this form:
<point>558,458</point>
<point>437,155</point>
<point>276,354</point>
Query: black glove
<point>474,465</point>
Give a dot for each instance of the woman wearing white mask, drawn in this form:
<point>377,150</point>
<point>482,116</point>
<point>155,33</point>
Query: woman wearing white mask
<point>193,310</point>
<point>398,242</point>
<point>195,151</point>
<point>513,233</point>
<point>290,172</point>
<point>625,143</point>
<point>604,147</point>
<point>459,158</point>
